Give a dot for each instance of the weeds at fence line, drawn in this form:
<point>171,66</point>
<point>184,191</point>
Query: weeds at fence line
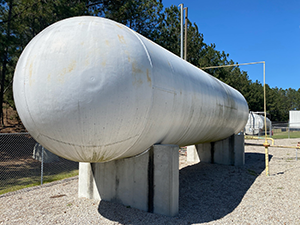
<point>18,168</point>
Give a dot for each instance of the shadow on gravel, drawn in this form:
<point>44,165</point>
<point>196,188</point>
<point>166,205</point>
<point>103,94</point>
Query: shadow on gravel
<point>207,192</point>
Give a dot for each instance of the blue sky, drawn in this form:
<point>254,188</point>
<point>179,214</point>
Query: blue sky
<point>252,31</point>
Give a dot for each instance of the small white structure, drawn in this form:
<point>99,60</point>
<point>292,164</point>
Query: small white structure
<point>256,124</point>
<point>294,119</point>
<point>42,154</point>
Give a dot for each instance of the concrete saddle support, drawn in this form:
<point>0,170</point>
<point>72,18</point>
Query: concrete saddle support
<point>149,181</point>
<point>229,151</point>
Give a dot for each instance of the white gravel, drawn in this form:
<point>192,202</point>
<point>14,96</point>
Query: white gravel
<point>209,194</point>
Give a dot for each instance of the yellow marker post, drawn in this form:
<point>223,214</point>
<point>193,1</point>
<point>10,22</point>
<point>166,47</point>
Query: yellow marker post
<point>266,144</point>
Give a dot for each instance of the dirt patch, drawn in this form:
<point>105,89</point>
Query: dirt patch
<point>12,122</point>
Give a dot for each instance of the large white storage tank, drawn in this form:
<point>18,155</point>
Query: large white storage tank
<point>294,119</point>
<point>256,124</point>
<point>92,90</point>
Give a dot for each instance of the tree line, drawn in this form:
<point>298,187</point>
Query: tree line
<point>21,20</point>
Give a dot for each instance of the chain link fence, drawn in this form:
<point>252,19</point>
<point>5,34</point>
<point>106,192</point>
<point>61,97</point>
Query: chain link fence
<point>24,163</point>
<point>277,130</point>
<point>285,130</point>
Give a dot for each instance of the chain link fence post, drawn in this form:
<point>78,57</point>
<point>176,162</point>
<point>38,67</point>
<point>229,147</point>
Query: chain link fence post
<point>25,163</point>
<point>42,166</point>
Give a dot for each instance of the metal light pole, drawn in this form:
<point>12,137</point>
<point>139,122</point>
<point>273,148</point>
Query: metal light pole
<point>266,144</point>
<point>181,30</point>
<point>185,32</point>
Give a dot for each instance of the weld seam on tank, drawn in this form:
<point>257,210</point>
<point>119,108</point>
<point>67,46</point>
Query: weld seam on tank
<point>150,108</point>
<point>145,48</point>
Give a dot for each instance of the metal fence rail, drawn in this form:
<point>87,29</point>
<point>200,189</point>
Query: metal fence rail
<point>22,166</point>
<point>281,130</point>
<point>290,130</point>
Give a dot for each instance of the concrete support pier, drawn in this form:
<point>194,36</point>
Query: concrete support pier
<point>229,151</point>
<point>192,154</point>
<point>149,181</point>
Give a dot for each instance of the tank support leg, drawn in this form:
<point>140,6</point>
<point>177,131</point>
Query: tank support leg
<point>229,151</point>
<point>149,181</point>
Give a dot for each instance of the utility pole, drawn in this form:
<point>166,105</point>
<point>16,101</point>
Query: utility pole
<point>185,32</point>
<point>181,30</point>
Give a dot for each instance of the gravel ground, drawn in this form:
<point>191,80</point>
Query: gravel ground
<point>209,194</point>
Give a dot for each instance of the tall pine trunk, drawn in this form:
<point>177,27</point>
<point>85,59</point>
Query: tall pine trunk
<point>4,63</point>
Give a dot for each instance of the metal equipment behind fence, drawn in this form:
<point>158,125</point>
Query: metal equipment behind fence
<point>22,165</point>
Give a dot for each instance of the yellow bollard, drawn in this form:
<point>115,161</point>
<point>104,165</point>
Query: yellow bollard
<point>266,144</point>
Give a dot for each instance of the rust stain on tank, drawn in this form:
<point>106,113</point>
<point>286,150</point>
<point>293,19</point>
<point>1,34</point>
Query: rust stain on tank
<point>30,74</point>
<point>69,69</point>
<point>127,54</point>
<point>135,69</point>
<point>49,77</point>
<point>119,26</point>
<point>71,66</point>
<point>121,39</point>
<point>148,77</point>
<point>136,72</point>
<point>107,42</point>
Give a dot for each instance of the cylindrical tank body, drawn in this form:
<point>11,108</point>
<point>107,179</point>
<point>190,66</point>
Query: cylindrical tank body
<point>256,124</point>
<point>92,90</point>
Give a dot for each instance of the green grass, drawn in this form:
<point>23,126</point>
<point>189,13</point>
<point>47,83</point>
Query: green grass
<point>252,172</point>
<point>60,176</point>
<point>282,135</point>
<point>25,182</point>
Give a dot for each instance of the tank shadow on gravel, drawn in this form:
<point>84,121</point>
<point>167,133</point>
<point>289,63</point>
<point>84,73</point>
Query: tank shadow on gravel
<point>207,192</point>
